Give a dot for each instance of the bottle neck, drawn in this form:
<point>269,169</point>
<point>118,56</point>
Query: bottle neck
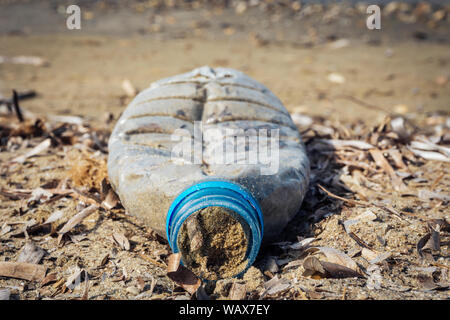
<point>217,194</point>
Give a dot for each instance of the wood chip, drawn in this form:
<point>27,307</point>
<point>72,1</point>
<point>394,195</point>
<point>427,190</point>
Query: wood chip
<point>430,155</point>
<point>238,291</point>
<point>44,145</point>
<point>194,233</point>
<point>347,143</point>
<point>86,286</point>
<point>397,157</point>
<point>55,216</point>
<point>373,256</point>
<point>301,245</point>
<point>111,200</point>
<point>174,262</point>
<point>22,270</point>
<point>427,195</point>
<point>5,293</point>
<point>31,253</point>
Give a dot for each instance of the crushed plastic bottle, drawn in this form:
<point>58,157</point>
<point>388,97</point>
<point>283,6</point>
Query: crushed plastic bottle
<point>209,138</point>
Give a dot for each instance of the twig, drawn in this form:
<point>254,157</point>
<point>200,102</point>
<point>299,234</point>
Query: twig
<point>353,202</point>
<point>153,261</point>
<point>20,96</point>
<point>16,106</point>
<point>362,103</point>
<point>362,203</point>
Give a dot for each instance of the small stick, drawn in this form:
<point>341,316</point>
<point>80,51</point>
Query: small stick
<point>332,195</point>
<point>20,96</point>
<point>364,204</point>
<point>153,261</point>
<point>362,103</point>
<point>16,106</point>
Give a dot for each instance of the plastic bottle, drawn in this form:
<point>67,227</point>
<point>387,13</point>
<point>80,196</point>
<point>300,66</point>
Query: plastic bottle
<point>209,138</point>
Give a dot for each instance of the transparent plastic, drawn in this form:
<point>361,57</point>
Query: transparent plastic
<point>148,175</point>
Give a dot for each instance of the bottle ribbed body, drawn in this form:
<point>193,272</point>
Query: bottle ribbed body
<point>217,112</point>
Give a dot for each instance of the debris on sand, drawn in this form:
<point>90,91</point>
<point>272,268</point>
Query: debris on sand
<point>23,270</point>
<point>222,251</point>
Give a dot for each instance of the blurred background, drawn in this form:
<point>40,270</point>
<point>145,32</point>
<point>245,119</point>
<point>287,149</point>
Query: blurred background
<point>317,56</point>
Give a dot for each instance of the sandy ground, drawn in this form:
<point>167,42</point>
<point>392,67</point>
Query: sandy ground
<point>379,73</point>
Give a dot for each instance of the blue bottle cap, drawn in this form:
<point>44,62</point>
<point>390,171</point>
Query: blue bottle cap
<point>217,193</point>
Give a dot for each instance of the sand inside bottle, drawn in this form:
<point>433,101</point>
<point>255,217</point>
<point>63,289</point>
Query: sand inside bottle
<point>213,243</point>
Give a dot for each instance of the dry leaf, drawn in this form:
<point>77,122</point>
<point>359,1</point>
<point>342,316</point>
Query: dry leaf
<point>335,256</point>
<point>31,253</point>
<point>56,215</point>
<point>104,260</point>
<point>425,254</point>
<point>375,278</point>
<point>39,194</point>
<point>74,279</point>
<point>429,283</point>
<point>301,245</point>
<point>293,264</point>
<point>121,240</point>
<point>181,275</point>
<point>325,269</point>
<point>276,285</point>
<point>75,220</point>
<point>51,277</point>
<point>381,161</point>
